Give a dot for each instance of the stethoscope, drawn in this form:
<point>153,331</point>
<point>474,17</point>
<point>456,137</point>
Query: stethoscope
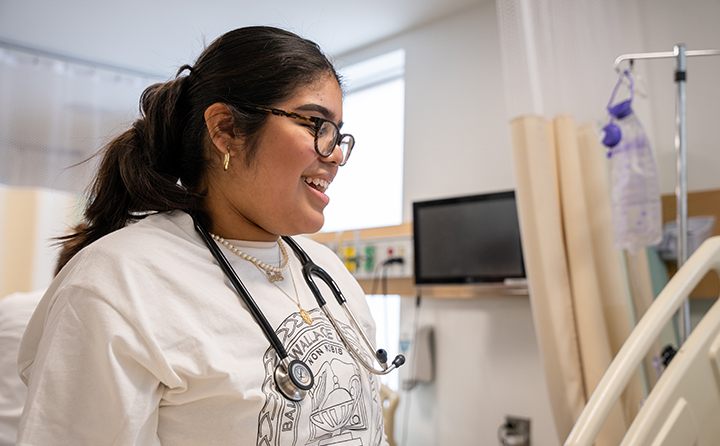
<point>294,378</point>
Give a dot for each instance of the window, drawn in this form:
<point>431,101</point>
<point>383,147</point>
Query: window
<point>367,192</point>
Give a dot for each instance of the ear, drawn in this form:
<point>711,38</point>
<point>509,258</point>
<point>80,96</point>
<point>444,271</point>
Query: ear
<point>220,125</point>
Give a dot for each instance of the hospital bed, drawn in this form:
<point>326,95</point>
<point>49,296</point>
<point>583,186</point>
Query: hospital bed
<point>683,408</point>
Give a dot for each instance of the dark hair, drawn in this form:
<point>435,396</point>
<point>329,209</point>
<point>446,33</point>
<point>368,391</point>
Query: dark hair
<point>159,164</point>
<point>68,248</point>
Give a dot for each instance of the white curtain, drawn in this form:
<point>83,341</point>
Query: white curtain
<point>558,54</point>
<point>55,113</point>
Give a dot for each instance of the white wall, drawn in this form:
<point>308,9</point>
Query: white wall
<point>487,366</point>
<point>457,142</point>
<point>694,23</point>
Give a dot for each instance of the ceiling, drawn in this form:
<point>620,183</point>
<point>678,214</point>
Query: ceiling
<point>157,36</point>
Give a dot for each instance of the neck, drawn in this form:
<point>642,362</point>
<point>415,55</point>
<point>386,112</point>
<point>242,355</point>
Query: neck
<point>234,233</point>
<point>229,223</point>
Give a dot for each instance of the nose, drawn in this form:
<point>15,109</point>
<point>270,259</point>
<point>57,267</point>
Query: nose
<point>336,157</point>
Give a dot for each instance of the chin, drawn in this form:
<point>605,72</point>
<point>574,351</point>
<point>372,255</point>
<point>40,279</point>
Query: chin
<point>316,228</point>
<point>308,225</point>
<point>315,224</point>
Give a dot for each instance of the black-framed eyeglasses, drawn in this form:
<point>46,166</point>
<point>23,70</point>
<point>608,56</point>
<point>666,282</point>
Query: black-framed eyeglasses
<point>327,133</point>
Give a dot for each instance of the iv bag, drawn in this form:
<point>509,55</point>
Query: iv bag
<point>635,194</point>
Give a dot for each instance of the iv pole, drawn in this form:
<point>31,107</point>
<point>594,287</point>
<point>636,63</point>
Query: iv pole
<point>679,54</point>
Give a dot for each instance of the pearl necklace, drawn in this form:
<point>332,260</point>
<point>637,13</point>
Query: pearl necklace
<point>272,273</point>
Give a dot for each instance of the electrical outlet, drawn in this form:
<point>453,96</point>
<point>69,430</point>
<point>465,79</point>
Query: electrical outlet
<point>397,247</point>
<point>517,431</point>
<point>364,258</point>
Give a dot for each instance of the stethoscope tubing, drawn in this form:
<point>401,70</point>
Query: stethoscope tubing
<point>309,268</point>
<point>243,292</point>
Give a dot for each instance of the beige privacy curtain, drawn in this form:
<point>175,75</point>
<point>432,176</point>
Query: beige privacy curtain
<point>577,283</point>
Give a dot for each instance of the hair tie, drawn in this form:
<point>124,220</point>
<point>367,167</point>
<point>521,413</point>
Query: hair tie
<point>139,126</point>
<point>183,68</point>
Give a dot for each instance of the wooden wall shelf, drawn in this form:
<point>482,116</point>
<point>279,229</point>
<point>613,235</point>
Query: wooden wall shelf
<point>406,287</point>
<point>473,290</point>
<point>403,286</point>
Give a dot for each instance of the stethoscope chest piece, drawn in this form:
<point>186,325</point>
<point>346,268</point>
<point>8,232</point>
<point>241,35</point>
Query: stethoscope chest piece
<point>294,379</point>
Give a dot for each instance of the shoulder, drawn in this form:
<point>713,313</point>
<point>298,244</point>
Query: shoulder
<point>145,257</point>
<point>154,242</point>
<point>155,231</point>
<point>136,276</point>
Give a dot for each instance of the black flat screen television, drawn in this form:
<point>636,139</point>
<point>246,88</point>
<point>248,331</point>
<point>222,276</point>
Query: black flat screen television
<point>472,239</point>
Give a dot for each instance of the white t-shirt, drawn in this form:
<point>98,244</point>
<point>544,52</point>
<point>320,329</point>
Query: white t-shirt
<point>141,340</point>
<point>15,312</point>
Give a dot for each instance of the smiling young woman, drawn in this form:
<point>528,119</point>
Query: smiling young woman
<point>142,339</point>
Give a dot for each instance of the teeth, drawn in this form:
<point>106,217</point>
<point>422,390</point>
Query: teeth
<point>321,184</point>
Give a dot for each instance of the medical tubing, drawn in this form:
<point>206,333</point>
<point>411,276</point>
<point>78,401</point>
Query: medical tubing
<point>308,270</point>
<point>352,350</point>
<point>368,344</point>
<point>242,292</point>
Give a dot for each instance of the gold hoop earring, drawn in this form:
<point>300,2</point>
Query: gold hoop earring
<point>226,162</point>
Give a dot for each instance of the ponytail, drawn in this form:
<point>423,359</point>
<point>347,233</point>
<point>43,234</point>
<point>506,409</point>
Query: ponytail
<point>141,169</point>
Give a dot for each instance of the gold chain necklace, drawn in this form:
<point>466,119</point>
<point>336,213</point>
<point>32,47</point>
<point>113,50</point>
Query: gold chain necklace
<point>272,273</point>
<point>303,314</point>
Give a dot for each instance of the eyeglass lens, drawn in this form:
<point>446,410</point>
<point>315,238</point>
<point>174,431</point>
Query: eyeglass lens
<point>327,138</point>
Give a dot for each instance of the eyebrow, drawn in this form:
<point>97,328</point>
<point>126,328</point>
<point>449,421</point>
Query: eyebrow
<point>322,110</point>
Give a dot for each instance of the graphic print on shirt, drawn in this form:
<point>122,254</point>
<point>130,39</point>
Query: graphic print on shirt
<point>338,410</point>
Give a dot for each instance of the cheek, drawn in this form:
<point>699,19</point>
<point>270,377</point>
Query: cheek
<point>278,179</point>
<point>290,149</point>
